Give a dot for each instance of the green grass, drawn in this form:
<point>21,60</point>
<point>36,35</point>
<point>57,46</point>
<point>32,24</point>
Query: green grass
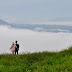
<point>37,62</point>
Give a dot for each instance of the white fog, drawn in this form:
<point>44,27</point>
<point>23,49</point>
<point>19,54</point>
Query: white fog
<point>32,41</point>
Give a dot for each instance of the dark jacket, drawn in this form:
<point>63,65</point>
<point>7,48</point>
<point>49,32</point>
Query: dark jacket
<point>17,46</point>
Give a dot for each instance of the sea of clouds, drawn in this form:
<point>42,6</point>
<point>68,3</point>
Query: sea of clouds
<point>32,41</point>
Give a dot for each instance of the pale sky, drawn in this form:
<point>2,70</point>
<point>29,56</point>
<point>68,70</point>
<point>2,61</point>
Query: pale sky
<point>36,11</point>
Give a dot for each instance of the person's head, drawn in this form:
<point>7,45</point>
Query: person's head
<point>16,41</point>
<point>13,43</point>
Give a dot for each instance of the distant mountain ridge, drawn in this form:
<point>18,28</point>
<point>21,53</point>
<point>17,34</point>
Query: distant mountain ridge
<point>40,28</point>
<point>2,22</point>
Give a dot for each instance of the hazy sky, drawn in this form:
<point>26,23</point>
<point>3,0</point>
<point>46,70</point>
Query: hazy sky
<point>35,11</point>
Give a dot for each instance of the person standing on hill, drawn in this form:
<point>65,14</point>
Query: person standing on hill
<point>12,48</point>
<point>17,47</point>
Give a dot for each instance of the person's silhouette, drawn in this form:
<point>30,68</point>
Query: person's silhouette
<point>17,47</point>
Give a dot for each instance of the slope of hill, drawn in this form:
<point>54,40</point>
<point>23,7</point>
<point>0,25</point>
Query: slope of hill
<point>37,62</point>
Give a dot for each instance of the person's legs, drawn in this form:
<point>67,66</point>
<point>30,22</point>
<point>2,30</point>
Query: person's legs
<point>12,52</point>
<point>17,51</point>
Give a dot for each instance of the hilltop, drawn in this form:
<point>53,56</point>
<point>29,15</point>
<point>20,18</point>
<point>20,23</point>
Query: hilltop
<point>37,62</point>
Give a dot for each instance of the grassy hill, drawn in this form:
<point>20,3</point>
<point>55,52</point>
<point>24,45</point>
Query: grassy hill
<point>37,62</point>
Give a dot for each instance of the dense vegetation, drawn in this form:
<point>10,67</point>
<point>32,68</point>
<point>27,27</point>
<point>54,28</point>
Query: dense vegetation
<point>37,62</point>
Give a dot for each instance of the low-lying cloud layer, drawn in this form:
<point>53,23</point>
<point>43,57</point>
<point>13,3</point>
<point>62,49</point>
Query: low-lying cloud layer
<point>31,41</point>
